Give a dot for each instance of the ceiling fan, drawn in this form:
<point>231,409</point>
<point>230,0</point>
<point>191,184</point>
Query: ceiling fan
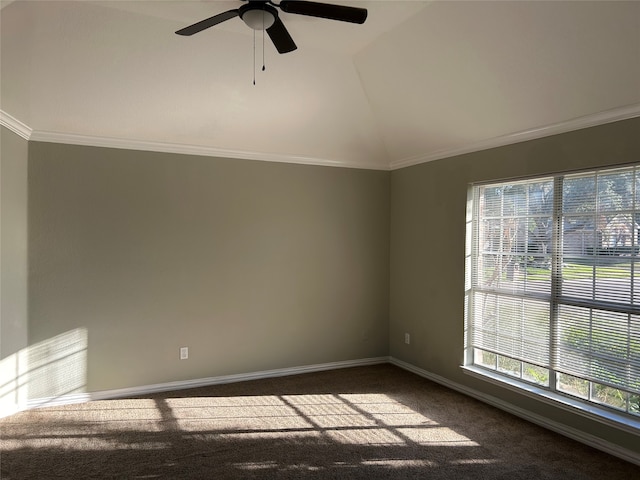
<point>262,15</point>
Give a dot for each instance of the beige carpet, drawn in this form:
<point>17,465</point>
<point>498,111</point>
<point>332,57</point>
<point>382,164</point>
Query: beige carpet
<point>369,423</point>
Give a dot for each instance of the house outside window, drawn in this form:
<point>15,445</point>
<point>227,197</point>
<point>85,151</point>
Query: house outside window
<point>553,287</point>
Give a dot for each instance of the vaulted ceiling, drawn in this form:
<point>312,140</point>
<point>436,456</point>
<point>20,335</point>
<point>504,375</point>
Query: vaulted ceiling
<point>419,80</point>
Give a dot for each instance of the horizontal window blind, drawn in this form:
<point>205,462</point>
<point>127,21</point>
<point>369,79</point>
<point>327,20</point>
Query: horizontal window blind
<point>598,291</point>
<point>553,276</point>
<point>514,327</point>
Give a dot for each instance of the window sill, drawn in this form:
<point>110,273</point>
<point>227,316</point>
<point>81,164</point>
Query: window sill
<point>593,412</point>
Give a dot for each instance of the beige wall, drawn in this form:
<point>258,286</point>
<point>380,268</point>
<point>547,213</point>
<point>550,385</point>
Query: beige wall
<point>13,203</point>
<point>257,266</point>
<point>252,265</point>
<point>427,248</point>
<point>13,263</point>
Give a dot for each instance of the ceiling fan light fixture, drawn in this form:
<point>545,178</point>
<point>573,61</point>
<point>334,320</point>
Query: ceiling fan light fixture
<point>258,15</point>
<point>259,18</point>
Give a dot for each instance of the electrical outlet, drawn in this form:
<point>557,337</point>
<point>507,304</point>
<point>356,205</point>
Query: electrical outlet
<point>184,353</point>
<point>407,338</point>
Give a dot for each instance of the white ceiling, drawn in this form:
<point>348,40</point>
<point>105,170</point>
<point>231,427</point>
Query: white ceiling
<point>419,80</point>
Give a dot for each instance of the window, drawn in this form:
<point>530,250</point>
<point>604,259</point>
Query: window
<point>553,286</point>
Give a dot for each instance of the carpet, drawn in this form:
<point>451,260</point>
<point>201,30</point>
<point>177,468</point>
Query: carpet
<point>375,422</point>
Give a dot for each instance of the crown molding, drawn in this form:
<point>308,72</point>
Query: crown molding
<point>15,125</point>
<point>601,118</point>
<point>27,133</point>
<point>162,147</point>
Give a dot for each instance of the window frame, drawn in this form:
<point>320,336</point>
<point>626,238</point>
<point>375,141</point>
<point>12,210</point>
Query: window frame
<point>549,393</point>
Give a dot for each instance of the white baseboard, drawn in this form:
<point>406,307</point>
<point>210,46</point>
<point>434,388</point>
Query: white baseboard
<point>199,382</point>
<point>67,399</point>
<point>545,422</point>
<point>560,428</point>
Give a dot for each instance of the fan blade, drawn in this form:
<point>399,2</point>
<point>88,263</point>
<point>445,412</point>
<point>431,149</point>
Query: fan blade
<point>325,10</point>
<point>280,37</point>
<point>209,22</point>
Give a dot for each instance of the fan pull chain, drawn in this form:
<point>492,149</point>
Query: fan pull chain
<point>263,66</point>
<point>254,50</point>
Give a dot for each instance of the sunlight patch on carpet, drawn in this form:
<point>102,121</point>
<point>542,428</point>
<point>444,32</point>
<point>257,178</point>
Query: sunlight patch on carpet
<point>440,436</point>
<point>348,419</point>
